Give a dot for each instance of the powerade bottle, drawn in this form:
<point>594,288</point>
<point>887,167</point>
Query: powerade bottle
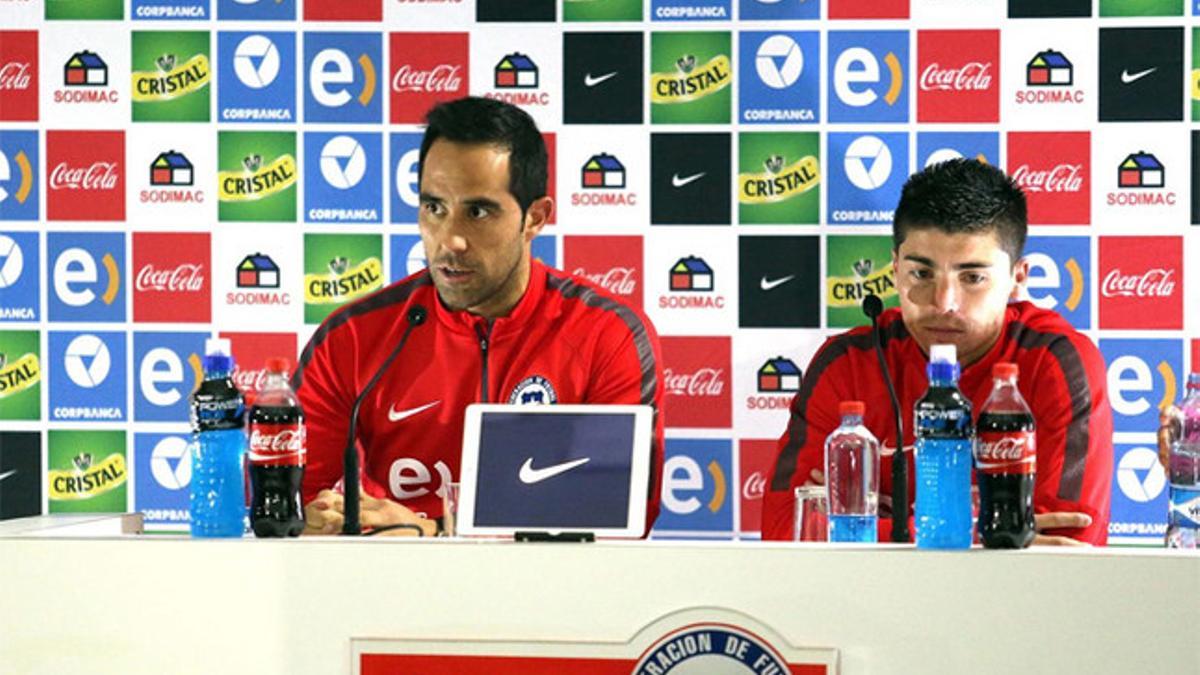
<point>1183,469</point>
<point>218,449</point>
<point>945,442</point>
<point>852,478</point>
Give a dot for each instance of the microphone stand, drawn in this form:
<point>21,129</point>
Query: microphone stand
<point>352,525</point>
<point>872,306</point>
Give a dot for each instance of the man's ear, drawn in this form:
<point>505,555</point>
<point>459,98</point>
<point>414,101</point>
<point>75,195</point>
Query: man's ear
<point>1020,276</point>
<point>536,216</point>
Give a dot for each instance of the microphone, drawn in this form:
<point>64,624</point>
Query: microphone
<point>872,306</point>
<point>351,525</point>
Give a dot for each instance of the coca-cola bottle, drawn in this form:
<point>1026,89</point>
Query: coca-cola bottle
<point>1005,464</point>
<point>277,456</point>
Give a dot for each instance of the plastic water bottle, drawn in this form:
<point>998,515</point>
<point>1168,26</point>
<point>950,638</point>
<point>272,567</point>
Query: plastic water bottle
<point>218,449</point>
<point>1183,520</point>
<point>945,444</point>
<point>852,478</point>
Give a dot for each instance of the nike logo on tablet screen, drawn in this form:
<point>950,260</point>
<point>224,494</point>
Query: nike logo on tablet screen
<point>589,81</point>
<point>768,285</point>
<point>1130,79</point>
<point>397,415</point>
<point>530,475</point>
<point>680,182</point>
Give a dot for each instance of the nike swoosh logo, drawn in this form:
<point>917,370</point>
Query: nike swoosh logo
<point>530,475</point>
<point>768,285</point>
<point>1126,78</point>
<point>6,474</point>
<point>397,415</point>
<point>680,182</point>
<point>589,81</point>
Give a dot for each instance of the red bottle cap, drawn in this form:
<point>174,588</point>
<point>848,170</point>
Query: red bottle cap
<point>857,408</point>
<point>1005,370</point>
<point>278,364</point>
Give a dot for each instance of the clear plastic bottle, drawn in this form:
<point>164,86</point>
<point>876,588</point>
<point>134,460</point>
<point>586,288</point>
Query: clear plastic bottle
<point>852,478</point>
<point>218,449</point>
<point>1183,471</point>
<point>945,434</point>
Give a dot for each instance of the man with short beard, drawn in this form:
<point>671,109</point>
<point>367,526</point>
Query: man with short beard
<point>502,328</point>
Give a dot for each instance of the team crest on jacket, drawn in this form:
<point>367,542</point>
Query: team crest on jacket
<point>533,390</point>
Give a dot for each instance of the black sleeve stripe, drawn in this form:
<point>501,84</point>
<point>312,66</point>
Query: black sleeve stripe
<point>797,431</point>
<point>568,288</point>
<point>1070,362</point>
<point>386,297</point>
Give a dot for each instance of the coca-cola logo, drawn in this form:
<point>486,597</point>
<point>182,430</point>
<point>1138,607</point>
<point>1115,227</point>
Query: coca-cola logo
<point>284,441</point>
<point>618,280</point>
<point>185,278</point>
<point>98,176</point>
<point>973,76</point>
<point>1006,452</point>
<point>14,75</point>
<point>441,79</point>
<point>249,380</point>
<point>1153,283</point>
<point>703,382</point>
<point>1062,178</point>
<point>754,486</point>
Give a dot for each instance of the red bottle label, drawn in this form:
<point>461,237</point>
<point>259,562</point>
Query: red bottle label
<point>278,445</point>
<point>1001,452</point>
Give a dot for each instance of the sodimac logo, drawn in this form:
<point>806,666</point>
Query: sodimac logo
<point>697,380</point>
<point>1059,272</point>
<point>341,75</point>
<point>426,68</point>
<point>19,190</point>
<point>958,76</point>
<point>867,76</point>
<point>172,277</point>
<point>697,489</point>
<point>1141,283</point>
<point>85,175</point>
<point>167,369</point>
<point>86,272</point>
<point>19,75</point>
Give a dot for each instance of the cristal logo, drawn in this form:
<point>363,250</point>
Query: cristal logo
<point>98,176</point>
<point>184,278</point>
<point>1062,178</point>
<point>14,75</point>
<point>285,441</point>
<point>973,76</point>
<point>755,486</point>
<point>1153,283</point>
<point>703,382</point>
<point>618,280</point>
<point>439,79</point>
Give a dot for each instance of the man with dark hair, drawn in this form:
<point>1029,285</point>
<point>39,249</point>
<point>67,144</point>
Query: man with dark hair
<point>502,328</point>
<point>958,237</point>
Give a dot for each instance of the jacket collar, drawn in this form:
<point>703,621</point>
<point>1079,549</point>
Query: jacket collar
<point>464,322</point>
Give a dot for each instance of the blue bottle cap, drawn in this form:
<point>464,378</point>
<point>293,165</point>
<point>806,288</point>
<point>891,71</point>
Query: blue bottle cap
<point>217,363</point>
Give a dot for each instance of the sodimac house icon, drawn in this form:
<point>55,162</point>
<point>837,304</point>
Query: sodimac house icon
<point>1141,170</point>
<point>85,69</point>
<point>691,274</point>
<point>779,375</point>
<point>171,168</point>
<point>603,171</point>
<point>1049,69</point>
<point>516,71</point>
<point>257,271</point>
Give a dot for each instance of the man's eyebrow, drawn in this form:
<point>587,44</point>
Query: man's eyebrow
<point>426,198</point>
<point>482,201</point>
<point>970,265</point>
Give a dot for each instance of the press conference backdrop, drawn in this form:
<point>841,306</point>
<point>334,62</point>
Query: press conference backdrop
<point>175,168</point>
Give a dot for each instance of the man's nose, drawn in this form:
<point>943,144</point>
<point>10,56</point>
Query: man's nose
<point>946,296</point>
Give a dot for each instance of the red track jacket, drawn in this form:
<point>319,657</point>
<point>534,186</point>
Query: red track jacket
<point>566,340</point>
<point>1062,379</point>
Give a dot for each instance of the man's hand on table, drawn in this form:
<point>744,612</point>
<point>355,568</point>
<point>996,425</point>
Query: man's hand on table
<point>325,515</point>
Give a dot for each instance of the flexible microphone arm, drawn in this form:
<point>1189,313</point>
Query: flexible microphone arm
<point>872,306</point>
<point>351,525</point>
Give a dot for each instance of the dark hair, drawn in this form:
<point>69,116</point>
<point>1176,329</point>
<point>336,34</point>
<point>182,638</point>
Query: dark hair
<point>963,196</point>
<point>487,121</point>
